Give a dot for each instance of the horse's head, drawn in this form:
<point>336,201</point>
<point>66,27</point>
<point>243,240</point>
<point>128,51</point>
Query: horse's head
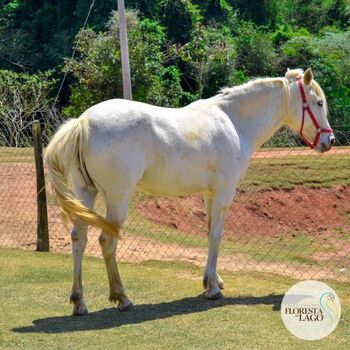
<point>308,110</point>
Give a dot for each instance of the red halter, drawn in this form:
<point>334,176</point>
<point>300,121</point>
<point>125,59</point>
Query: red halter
<point>307,108</point>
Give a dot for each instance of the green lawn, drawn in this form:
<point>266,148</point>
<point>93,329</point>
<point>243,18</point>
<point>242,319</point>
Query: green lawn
<point>170,312</point>
<point>16,155</point>
<point>312,171</point>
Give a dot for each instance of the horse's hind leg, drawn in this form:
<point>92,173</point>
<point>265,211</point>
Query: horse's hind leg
<point>79,240</point>
<point>117,213</point>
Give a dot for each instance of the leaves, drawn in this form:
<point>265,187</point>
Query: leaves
<point>179,49</point>
<point>97,68</point>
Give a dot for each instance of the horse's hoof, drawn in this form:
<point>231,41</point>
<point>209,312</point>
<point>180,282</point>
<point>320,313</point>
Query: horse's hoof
<point>125,307</point>
<point>216,296</point>
<point>80,310</point>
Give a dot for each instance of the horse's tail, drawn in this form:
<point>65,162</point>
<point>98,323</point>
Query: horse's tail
<point>64,154</point>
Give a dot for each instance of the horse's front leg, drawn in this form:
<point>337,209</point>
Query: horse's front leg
<point>212,282</point>
<point>208,209</point>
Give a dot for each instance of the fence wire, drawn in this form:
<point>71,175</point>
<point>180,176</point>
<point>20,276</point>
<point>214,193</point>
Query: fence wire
<point>291,215</point>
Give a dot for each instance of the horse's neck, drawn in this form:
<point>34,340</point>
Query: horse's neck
<point>256,114</point>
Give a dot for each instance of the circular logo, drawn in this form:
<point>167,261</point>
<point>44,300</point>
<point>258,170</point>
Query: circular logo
<point>310,310</point>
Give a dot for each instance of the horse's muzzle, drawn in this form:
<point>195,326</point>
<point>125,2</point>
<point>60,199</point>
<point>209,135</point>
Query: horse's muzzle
<point>326,144</point>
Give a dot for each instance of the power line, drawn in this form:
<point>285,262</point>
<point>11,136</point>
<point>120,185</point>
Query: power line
<point>73,54</point>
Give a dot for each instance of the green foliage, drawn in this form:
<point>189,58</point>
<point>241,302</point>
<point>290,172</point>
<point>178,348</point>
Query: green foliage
<point>284,32</point>
<point>329,56</point>
<point>255,52</point>
<point>210,60</point>
<point>333,72</point>
<point>261,12</point>
<point>298,51</point>
<point>314,14</point>
<point>97,69</point>
<point>220,64</point>
<point>220,13</point>
<point>39,34</point>
<point>179,17</point>
<point>179,49</point>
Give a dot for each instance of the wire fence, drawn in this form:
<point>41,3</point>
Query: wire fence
<point>291,215</point>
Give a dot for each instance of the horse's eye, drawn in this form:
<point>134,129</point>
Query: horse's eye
<point>320,103</point>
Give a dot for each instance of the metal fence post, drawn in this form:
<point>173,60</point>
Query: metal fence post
<point>42,222</point>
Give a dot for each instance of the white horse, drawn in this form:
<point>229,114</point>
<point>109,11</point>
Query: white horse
<point>118,146</point>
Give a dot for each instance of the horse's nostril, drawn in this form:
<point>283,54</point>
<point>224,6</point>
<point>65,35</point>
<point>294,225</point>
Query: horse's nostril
<point>332,141</point>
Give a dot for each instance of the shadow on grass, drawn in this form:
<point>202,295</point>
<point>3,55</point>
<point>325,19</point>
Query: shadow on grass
<point>111,318</point>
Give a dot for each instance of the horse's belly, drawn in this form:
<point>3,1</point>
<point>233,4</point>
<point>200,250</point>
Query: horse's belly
<point>172,181</point>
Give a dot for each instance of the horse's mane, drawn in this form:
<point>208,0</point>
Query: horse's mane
<point>290,75</point>
<point>237,90</point>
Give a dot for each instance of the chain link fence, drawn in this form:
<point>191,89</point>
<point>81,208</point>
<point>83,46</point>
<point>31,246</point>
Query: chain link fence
<point>291,214</point>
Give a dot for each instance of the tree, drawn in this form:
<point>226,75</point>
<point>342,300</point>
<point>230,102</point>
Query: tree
<point>23,99</point>
<point>39,33</point>
<point>255,52</point>
<point>210,59</point>
<point>181,18</point>
<point>97,67</point>
<point>261,12</point>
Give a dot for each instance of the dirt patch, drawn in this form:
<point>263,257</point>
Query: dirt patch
<point>264,213</point>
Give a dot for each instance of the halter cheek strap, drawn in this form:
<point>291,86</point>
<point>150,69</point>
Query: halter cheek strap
<point>307,108</point>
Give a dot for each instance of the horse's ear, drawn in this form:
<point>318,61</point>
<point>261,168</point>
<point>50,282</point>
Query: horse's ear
<point>308,76</point>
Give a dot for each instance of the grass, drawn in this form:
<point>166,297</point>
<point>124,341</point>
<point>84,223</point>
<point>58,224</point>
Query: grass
<point>16,155</point>
<point>289,172</point>
<point>169,313</point>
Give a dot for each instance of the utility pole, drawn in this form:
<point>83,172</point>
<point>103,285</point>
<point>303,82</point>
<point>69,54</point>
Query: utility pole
<point>124,51</point>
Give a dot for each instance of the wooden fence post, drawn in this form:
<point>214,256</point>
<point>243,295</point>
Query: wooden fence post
<point>42,222</point>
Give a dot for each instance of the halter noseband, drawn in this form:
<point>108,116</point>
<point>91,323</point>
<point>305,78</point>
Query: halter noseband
<point>307,108</point>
